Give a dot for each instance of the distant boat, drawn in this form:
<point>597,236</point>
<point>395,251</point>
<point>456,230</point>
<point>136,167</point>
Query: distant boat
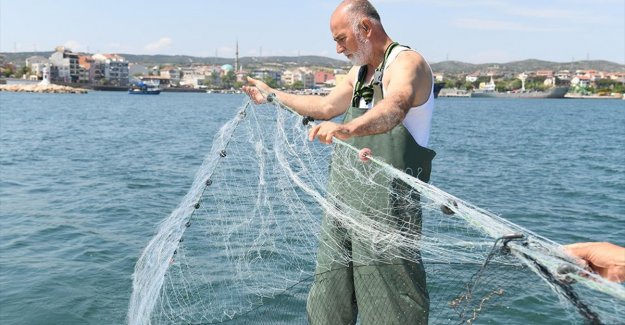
<point>555,92</point>
<point>144,89</point>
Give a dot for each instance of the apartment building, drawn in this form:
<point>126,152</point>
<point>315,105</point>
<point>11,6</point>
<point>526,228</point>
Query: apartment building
<point>64,65</point>
<point>36,64</point>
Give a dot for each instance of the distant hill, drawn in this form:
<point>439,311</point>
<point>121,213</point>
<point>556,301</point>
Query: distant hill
<point>310,60</point>
<point>455,67</point>
<point>447,67</point>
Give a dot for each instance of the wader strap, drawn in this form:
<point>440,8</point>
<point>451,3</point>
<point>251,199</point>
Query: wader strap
<point>367,92</point>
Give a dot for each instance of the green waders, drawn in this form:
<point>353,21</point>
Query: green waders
<point>352,280</point>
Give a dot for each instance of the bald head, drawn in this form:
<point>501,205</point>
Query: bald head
<point>357,10</point>
<point>360,8</point>
<point>358,33</point>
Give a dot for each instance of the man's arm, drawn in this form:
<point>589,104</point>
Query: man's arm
<point>317,107</point>
<point>409,85</point>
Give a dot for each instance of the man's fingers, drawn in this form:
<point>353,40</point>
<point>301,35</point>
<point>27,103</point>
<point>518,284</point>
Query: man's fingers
<point>326,131</point>
<point>328,137</point>
<point>313,132</point>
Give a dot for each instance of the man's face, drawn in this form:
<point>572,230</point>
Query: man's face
<point>362,54</point>
<point>353,44</point>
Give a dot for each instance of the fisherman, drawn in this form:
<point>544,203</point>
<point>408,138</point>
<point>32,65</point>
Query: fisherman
<point>387,99</point>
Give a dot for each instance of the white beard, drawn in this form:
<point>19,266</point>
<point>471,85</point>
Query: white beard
<point>363,54</point>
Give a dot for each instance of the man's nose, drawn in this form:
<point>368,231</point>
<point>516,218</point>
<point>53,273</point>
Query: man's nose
<point>339,49</point>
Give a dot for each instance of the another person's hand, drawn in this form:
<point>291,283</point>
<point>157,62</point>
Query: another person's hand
<point>327,130</point>
<point>252,90</point>
<point>607,259</point>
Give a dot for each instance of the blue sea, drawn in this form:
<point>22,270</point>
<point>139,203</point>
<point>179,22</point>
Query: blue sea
<point>85,180</point>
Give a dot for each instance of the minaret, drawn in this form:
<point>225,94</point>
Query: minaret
<point>236,60</point>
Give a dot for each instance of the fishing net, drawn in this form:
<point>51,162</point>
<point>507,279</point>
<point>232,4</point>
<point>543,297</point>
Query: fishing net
<point>280,230</point>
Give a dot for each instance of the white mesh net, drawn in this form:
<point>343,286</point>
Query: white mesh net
<point>267,216</point>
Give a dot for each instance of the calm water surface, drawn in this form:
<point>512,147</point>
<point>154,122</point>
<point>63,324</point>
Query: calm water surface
<point>85,179</point>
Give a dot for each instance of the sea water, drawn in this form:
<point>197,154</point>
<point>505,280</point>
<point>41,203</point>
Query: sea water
<point>85,180</point>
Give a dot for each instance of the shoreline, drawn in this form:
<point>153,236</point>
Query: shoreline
<point>41,88</point>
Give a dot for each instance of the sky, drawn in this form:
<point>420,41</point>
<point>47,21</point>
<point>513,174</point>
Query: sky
<point>475,31</point>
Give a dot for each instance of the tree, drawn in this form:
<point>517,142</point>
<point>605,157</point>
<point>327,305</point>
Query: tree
<point>501,86</point>
<point>8,70</point>
<point>298,85</point>
<point>213,80</point>
<point>25,70</point>
<point>229,79</point>
<point>606,84</point>
<point>515,84</point>
<point>271,82</point>
<point>458,84</point>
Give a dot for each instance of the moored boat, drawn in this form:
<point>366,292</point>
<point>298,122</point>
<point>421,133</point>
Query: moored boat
<point>488,90</point>
<point>144,89</point>
<point>555,92</point>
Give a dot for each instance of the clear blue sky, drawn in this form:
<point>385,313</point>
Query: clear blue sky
<point>476,31</point>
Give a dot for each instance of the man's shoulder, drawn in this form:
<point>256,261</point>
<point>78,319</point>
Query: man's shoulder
<point>411,57</point>
<point>410,60</point>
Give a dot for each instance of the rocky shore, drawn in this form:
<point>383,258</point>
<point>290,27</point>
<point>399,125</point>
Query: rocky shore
<point>42,88</point>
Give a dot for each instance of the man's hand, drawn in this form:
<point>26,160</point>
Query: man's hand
<point>607,259</point>
<point>326,130</point>
<point>252,90</point>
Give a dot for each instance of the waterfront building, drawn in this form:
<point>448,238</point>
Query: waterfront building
<point>111,69</point>
<point>161,82</point>
<point>193,77</point>
<point>36,64</point>
<point>581,81</point>
<point>439,77</point>
<point>472,77</point>
<point>323,79</point>
<point>116,71</point>
<point>264,74</point>
<point>87,69</point>
<point>545,73</point>
<point>64,65</point>
<point>619,76</point>
<point>563,75</point>
<point>287,78</point>
<point>174,74</point>
<point>303,75</point>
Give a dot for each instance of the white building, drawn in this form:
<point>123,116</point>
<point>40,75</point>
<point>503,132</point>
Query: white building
<point>174,74</point>
<point>36,64</point>
<point>471,77</point>
<point>64,65</point>
<point>303,75</point>
<point>113,68</point>
<point>194,76</point>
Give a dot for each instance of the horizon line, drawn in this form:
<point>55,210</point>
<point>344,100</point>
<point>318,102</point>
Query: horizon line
<point>313,55</point>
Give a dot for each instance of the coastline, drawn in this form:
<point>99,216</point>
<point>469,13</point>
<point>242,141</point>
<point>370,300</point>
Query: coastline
<point>578,96</point>
<point>42,88</point>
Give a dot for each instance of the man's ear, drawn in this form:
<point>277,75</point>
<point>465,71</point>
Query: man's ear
<point>365,24</point>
